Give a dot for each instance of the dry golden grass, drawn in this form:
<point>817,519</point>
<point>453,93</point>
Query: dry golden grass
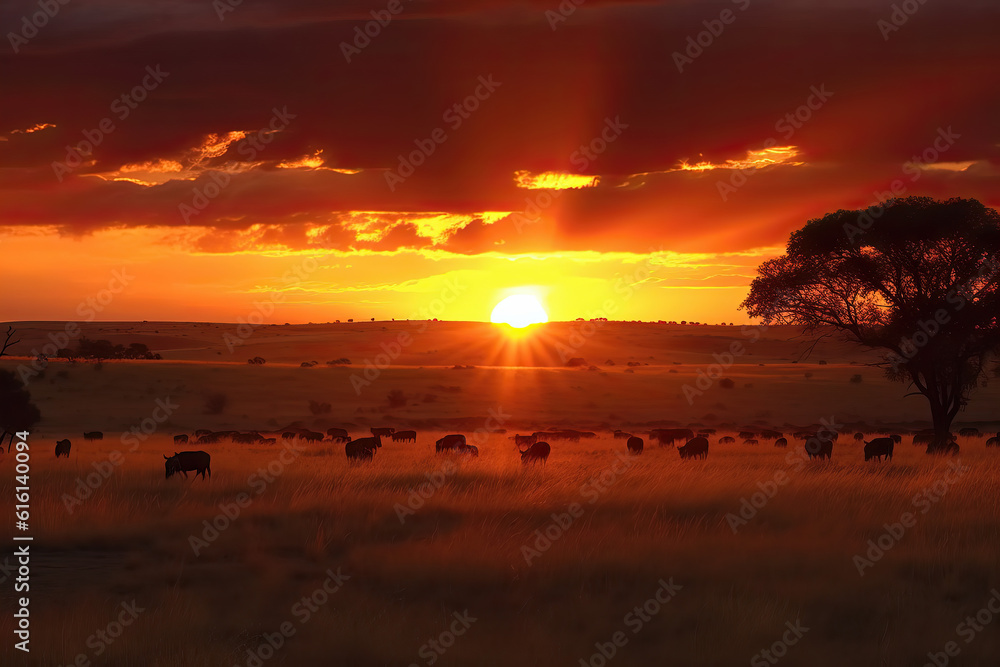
<point>462,550</point>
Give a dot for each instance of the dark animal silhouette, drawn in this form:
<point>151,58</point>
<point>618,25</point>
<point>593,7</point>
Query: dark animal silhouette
<point>62,448</point>
<point>634,445</point>
<point>200,432</point>
<point>537,452</point>
<point>667,436</point>
<point>404,436</point>
<point>622,435</point>
<point>287,435</point>
<point>93,435</point>
<point>878,448</point>
<point>994,442</point>
<point>180,439</point>
<point>751,441</point>
<point>312,436</point>
<point>383,432</point>
<point>822,449</point>
<point>770,435</point>
<point>527,440</point>
<point>470,450</point>
<point>695,448</point>
<point>450,442</point>
<point>781,442</point>
<point>860,436</point>
<point>362,449</point>
<point>182,462</point>
<point>727,440</point>
<point>970,432</point>
<point>896,438</point>
<point>338,434</point>
<point>747,435</point>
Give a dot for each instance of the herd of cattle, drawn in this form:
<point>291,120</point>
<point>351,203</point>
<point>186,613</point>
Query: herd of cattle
<point>533,448</point>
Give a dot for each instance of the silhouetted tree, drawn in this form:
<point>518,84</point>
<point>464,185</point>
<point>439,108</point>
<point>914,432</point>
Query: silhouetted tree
<point>916,278</point>
<point>17,412</point>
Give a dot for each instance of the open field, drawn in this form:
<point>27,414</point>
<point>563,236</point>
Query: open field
<point>621,524</point>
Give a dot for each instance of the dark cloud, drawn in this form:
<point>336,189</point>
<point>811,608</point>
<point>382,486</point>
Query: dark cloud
<point>557,88</point>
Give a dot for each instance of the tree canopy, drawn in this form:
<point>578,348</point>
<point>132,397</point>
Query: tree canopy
<point>917,278</point>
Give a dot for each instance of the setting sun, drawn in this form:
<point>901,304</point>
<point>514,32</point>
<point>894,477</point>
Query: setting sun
<point>519,310</point>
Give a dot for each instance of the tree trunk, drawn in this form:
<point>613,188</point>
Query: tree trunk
<point>942,442</point>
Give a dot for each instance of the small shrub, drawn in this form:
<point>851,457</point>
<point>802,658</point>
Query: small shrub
<point>822,362</point>
<point>576,361</point>
<point>856,378</point>
<point>727,383</point>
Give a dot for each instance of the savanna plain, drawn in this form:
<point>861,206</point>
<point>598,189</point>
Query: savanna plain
<point>291,555</point>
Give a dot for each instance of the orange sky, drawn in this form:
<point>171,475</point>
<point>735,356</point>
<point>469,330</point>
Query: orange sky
<point>233,153</point>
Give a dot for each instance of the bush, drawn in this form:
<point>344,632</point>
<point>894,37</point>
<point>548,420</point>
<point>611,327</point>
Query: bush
<point>343,361</point>
<point>822,362</point>
<point>808,374</point>
<point>576,361</point>
<point>856,378</point>
<point>216,403</point>
<point>727,383</point>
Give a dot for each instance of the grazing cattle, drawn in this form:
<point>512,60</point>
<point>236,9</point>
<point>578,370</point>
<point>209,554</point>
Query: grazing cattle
<point>707,431</point>
<point>93,435</point>
<point>751,441</point>
<point>781,442</point>
<point>180,439</point>
<point>860,436</point>
<point>970,432</point>
<point>747,435</point>
<point>209,439</point>
<point>450,442</point>
<point>878,448</point>
<point>620,435</point>
<point>382,432</point>
<point>727,440</point>
<point>822,449</point>
<point>182,462</point>
<point>404,436</point>
<point>62,448</point>
<point>994,442</point>
<point>362,449</point>
<point>528,440</point>
<point>312,436</point>
<point>896,438</point>
<point>634,445</point>
<point>469,450</point>
<point>770,435</point>
<point>695,448</point>
<point>287,435</point>
<point>338,434</point>
<point>667,436</point>
<point>573,436</point>
<point>537,452</point>
<point>200,432</point>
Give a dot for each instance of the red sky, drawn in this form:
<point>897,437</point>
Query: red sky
<point>650,235</point>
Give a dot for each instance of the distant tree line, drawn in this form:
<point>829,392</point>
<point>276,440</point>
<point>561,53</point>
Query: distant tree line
<point>105,349</point>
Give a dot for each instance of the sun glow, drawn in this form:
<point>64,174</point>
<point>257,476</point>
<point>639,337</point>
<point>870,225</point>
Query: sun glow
<point>519,311</point>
